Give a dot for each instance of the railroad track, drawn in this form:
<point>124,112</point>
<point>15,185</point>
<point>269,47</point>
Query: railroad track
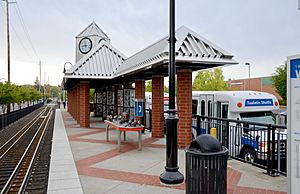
<point>9,143</point>
<point>18,155</point>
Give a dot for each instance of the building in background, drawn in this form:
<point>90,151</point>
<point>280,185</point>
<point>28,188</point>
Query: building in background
<point>262,84</point>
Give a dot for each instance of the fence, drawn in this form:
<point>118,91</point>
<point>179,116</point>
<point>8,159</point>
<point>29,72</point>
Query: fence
<point>148,119</point>
<point>9,118</point>
<point>256,143</point>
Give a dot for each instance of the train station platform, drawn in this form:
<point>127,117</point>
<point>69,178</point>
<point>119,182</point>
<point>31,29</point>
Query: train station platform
<point>94,165</point>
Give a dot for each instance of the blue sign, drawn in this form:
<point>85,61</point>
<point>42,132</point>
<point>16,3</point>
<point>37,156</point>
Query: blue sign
<point>139,108</point>
<point>259,102</point>
<point>295,68</point>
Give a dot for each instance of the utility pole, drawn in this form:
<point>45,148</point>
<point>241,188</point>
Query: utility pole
<point>40,82</point>
<point>44,86</point>
<point>8,42</point>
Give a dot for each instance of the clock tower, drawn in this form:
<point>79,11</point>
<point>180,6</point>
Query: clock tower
<point>88,39</point>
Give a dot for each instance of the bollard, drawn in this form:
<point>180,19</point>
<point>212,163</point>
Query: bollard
<point>213,132</point>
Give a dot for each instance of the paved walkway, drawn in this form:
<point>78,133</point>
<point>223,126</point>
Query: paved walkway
<point>103,169</point>
<point>63,177</point>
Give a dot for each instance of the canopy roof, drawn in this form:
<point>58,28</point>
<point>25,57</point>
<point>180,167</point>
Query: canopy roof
<point>192,51</point>
<point>102,63</point>
<point>190,48</point>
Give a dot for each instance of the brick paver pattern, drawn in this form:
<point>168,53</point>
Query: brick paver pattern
<point>84,166</point>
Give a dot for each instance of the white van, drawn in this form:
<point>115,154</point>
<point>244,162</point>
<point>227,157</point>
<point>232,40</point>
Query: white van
<point>249,106</point>
<point>148,97</point>
<point>148,106</point>
<point>235,104</point>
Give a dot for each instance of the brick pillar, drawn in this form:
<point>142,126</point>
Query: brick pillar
<point>74,103</point>
<point>140,94</point>
<point>69,99</point>
<point>77,103</point>
<point>71,102</point>
<point>84,104</point>
<point>157,106</point>
<point>184,106</point>
<point>140,89</point>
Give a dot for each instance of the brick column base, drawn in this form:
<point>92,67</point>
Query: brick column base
<point>157,106</point>
<point>84,104</point>
<point>184,106</point>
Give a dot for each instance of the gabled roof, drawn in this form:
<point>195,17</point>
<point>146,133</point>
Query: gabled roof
<point>102,63</point>
<point>192,50</point>
<point>93,30</point>
<point>190,47</point>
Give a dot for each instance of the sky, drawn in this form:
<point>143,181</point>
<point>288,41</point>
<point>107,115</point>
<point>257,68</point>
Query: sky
<point>262,33</point>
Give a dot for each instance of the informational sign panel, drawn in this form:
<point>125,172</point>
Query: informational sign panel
<point>139,107</point>
<point>293,105</point>
<point>259,102</point>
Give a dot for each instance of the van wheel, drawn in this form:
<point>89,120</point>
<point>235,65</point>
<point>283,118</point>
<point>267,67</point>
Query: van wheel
<point>249,156</point>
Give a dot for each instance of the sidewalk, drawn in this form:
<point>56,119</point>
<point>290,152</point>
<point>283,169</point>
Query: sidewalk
<point>103,169</point>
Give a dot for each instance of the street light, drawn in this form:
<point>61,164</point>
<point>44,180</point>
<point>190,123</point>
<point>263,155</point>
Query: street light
<point>249,73</point>
<point>65,93</point>
<point>171,175</point>
<point>64,71</point>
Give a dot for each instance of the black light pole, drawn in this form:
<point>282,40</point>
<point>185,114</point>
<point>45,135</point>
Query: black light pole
<point>171,175</point>
<point>64,71</point>
<point>249,74</point>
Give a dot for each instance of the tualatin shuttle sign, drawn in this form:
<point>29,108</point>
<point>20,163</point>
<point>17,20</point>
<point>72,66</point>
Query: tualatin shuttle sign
<point>293,105</point>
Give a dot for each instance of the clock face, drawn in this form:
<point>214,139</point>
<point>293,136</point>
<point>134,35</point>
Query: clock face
<point>85,45</point>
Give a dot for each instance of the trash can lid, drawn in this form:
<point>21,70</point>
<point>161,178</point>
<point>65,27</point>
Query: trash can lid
<point>206,144</point>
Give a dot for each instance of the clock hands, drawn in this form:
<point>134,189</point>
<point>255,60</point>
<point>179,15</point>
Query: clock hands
<point>85,45</point>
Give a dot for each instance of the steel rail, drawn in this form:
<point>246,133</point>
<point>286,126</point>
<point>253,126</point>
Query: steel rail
<point>29,170</point>
<point>24,130</point>
<point>9,183</point>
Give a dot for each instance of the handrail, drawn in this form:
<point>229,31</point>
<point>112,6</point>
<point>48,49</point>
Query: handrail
<point>240,121</point>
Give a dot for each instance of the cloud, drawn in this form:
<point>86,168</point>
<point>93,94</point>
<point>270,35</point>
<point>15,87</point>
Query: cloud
<point>261,32</point>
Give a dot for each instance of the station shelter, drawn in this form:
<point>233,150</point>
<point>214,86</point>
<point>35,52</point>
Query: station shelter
<point>119,80</point>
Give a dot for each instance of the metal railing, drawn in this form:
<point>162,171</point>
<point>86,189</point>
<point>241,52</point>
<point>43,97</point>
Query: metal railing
<point>9,118</point>
<point>263,145</point>
<point>148,119</point>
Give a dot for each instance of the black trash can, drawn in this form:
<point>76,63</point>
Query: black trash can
<point>206,166</point>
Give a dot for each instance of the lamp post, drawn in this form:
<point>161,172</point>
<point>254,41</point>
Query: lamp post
<point>64,71</point>
<point>171,175</point>
<point>249,73</point>
<point>65,93</point>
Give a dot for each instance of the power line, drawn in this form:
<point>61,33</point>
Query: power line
<point>19,38</point>
<point>25,30</point>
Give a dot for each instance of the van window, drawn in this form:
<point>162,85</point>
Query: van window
<point>224,111</point>
<point>202,107</point>
<point>194,106</point>
<point>219,109</point>
<point>209,108</point>
<point>261,117</point>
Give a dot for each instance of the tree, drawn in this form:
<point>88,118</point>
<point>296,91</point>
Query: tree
<point>11,94</point>
<point>166,89</point>
<point>92,95</point>
<point>279,81</point>
<point>7,95</point>
<point>148,87</point>
<point>210,80</point>
<point>37,83</point>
